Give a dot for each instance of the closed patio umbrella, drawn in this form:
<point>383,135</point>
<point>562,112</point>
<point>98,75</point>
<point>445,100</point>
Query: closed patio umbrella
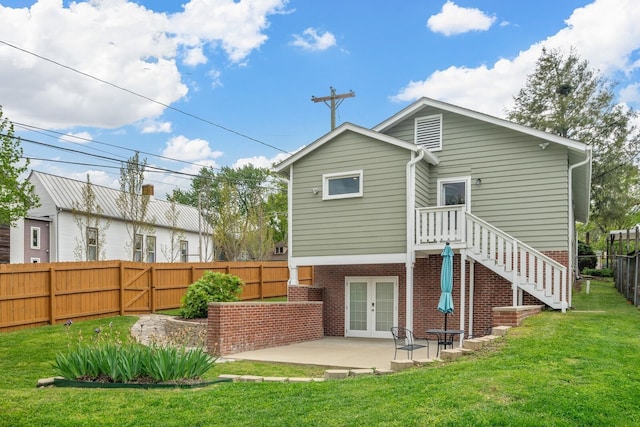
<point>446,283</point>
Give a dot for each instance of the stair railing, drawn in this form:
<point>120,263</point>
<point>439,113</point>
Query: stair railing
<point>526,267</point>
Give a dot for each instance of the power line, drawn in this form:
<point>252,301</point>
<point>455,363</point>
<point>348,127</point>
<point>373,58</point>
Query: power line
<point>30,127</point>
<point>145,97</point>
<point>148,168</point>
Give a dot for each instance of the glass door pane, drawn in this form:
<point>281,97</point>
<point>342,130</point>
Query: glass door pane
<point>384,292</point>
<point>358,306</point>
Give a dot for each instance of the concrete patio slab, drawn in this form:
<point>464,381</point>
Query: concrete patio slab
<point>336,352</point>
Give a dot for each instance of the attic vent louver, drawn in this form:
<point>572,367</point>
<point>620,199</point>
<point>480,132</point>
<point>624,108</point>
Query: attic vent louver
<point>429,132</point>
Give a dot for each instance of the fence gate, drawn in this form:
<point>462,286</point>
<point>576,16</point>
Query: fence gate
<point>135,291</point>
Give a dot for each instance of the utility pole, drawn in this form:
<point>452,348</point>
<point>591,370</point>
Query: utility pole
<point>330,101</point>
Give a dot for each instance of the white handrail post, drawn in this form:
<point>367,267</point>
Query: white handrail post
<point>514,280</point>
<point>463,225</point>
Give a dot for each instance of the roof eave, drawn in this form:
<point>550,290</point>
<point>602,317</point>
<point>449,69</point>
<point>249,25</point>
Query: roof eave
<point>285,164</point>
<point>422,102</point>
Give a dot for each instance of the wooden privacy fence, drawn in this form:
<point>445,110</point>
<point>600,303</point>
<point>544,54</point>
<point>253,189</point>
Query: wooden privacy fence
<point>49,293</point>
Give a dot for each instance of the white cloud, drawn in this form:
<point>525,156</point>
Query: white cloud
<point>77,138</point>
<point>454,19</point>
<point>490,88</point>
<point>152,126</point>
<point>312,40</point>
<point>97,177</point>
<point>630,94</point>
<point>95,37</point>
<point>195,56</point>
<point>235,26</point>
<point>189,150</point>
<point>260,161</point>
<point>215,75</point>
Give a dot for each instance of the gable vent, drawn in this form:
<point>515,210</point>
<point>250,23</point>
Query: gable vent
<point>429,132</point>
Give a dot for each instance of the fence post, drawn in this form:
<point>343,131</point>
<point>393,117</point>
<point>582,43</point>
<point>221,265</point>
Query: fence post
<point>261,273</point>
<point>121,278</point>
<point>152,289</point>
<point>52,295</point>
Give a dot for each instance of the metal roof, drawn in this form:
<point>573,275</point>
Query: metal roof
<point>66,194</point>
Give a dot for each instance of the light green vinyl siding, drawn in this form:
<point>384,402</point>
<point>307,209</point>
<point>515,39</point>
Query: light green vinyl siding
<point>422,184</point>
<point>372,224</point>
<point>524,190</point>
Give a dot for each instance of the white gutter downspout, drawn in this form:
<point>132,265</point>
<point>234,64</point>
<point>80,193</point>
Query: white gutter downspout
<point>411,223</point>
<point>572,227</point>
<point>293,268</point>
<point>57,237</point>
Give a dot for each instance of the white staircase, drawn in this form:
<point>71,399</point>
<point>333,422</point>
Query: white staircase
<point>526,268</point>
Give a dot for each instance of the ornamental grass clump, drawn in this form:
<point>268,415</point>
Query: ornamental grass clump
<point>211,287</point>
<point>107,358</point>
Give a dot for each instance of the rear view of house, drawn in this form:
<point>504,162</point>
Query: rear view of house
<point>372,209</point>
<point>57,230</point>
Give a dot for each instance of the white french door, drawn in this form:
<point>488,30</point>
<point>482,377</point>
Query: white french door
<point>371,307</point>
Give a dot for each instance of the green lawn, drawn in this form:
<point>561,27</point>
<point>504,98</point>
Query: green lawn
<point>580,368</point>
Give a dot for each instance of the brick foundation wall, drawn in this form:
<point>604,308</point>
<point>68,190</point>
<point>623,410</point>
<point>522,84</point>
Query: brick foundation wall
<point>332,279</point>
<point>245,326</point>
<point>490,290</point>
<point>513,316</point>
<point>300,293</point>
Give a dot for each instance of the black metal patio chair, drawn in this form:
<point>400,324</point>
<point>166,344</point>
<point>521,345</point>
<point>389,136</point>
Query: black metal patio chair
<point>403,339</point>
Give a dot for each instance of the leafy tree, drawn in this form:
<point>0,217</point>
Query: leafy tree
<point>242,208</point>
<point>16,196</point>
<point>88,214</point>
<point>132,204</point>
<point>564,96</point>
<point>277,208</point>
<point>171,252</point>
<point>229,223</point>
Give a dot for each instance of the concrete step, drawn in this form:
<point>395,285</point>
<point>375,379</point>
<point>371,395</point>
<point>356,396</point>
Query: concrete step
<point>401,364</point>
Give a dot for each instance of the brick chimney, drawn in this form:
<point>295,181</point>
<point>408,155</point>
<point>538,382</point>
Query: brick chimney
<point>147,190</point>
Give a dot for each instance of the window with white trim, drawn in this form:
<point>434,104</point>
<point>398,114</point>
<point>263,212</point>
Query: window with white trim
<point>184,251</point>
<point>92,244</point>
<point>151,248</point>
<point>454,191</point>
<point>137,248</point>
<point>35,237</point>
<point>428,132</point>
<point>342,185</point>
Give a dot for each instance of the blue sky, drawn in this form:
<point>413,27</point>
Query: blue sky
<point>238,77</point>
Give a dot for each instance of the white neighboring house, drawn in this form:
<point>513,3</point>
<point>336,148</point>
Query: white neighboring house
<point>50,232</point>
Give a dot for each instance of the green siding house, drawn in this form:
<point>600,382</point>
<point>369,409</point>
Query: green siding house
<point>372,210</point>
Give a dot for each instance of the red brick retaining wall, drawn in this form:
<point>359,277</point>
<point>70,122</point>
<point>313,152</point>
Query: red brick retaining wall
<point>298,293</point>
<point>513,316</point>
<point>244,326</point>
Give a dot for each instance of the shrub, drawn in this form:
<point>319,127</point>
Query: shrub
<point>586,257</point>
<point>211,287</point>
<point>598,272</point>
